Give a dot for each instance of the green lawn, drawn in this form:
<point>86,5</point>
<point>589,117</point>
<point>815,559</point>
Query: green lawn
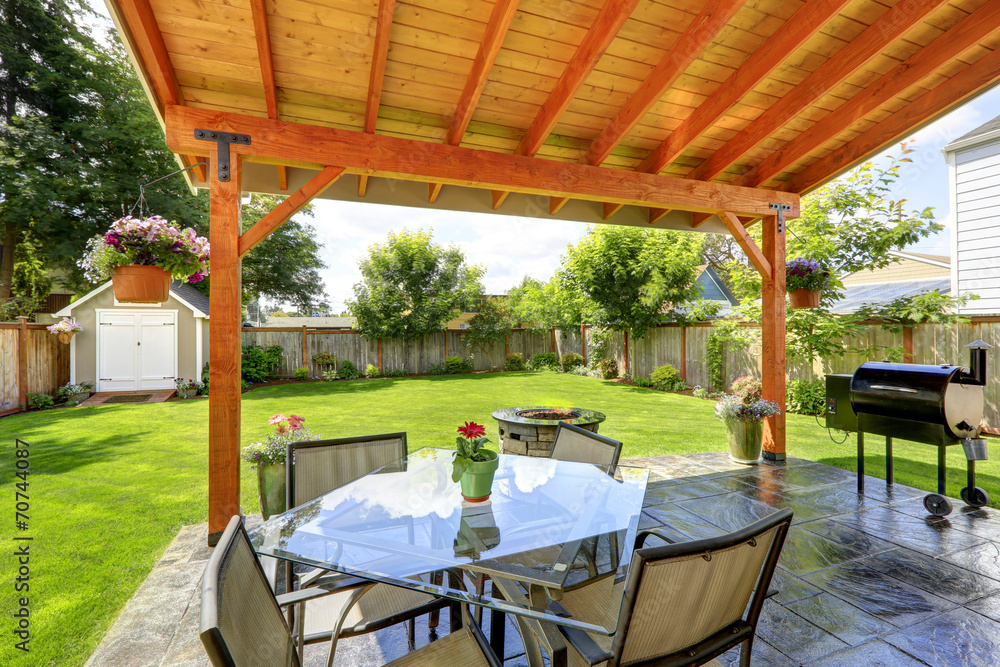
<point>111,486</point>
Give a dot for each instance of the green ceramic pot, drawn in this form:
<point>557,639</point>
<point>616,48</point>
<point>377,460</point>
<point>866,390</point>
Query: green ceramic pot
<point>271,487</point>
<point>744,441</point>
<point>477,481</point>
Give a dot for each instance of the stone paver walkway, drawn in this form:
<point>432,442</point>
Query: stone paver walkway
<point>864,580</point>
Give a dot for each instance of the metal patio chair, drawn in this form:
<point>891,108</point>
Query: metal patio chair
<point>242,624</point>
<point>685,603</point>
<point>318,467</point>
<point>573,443</point>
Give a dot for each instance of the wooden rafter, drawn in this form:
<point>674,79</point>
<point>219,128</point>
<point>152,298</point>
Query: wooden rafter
<point>805,23</point>
<point>433,190</point>
<point>610,208</point>
<point>498,197</point>
<point>698,219</point>
<point>951,93</point>
<point>556,204</point>
<point>608,22</point>
<point>362,185</point>
<point>263,36</point>
<point>380,53</point>
<point>286,209</point>
<point>696,38</point>
<point>889,27</point>
<point>382,155</point>
<point>961,37</point>
<point>141,22</point>
<point>747,243</point>
<point>657,213</point>
<point>282,177</point>
<point>496,30</point>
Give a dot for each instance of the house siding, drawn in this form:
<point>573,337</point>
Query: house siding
<point>976,202</point>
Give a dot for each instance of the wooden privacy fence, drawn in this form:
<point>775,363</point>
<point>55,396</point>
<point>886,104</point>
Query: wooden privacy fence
<point>31,361</point>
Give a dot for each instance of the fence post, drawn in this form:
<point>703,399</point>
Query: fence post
<point>583,342</point>
<point>908,345</point>
<point>304,347</point>
<point>380,355</point>
<point>626,351</point>
<point>22,362</point>
<point>684,353</point>
<point>553,333</point>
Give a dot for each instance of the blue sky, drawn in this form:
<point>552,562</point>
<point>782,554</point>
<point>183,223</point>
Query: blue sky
<point>497,242</point>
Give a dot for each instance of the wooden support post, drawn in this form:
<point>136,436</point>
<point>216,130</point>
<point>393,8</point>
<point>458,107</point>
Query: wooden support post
<point>773,338</point>
<point>684,353</point>
<point>305,347</point>
<point>583,343</point>
<point>22,362</point>
<point>380,351</point>
<point>908,345</point>
<point>224,350</point>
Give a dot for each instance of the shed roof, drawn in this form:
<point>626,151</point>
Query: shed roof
<point>187,295</point>
<point>631,111</point>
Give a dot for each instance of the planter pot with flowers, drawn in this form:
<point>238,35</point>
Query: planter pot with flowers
<point>65,329</point>
<point>141,255</point>
<point>743,412</point>
<point>74,394</point>
<point>187,388</point>
<point>474,466</point>
<point>804,282</point>
<point>268,458</point>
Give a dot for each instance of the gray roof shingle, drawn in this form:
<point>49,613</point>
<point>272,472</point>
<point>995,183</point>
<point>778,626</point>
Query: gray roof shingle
<point>190,295</point>
<point>985,128</point>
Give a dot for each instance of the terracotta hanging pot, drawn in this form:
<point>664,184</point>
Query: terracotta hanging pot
<point>65,336</point>
<point>141,284</point>
<point>803,298</point>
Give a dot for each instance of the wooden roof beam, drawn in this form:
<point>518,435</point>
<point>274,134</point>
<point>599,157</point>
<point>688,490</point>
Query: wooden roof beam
<point>263,36</point>
<point>688,47</point>
<point>656,213</point>
<point>282,177</point>
<point>383,26</point>
<point>747,243</point>
<point>556,204</point>
<point>605,28</point>
<point>496,30</point>
<point>433,190</point>
<point>886,29</point>
<point>786,40</point>
<point>964,35</point>
<point>286,209</point>
<point>698,219</point>
<point>498,197</point>
<point>362,185</point>
<point>610,208</point>
<point>138,15</point>
<point>952,93</point>
<point>394,157</point>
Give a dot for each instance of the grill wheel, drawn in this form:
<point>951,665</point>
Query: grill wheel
<point>937,504</point>
<point>978,497</point>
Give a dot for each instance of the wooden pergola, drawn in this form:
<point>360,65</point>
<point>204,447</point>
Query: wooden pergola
<point>680,114</point>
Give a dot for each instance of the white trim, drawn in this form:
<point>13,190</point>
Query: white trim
<point>197,311</point>
<point>953,202</point>
<point>895,282</point>
<point>199,351</point>
<point>958,145</point>
<point>933,262</point>
<point>72,360</point>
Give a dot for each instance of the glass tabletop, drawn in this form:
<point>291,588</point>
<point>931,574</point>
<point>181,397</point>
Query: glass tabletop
<point>549,527</point>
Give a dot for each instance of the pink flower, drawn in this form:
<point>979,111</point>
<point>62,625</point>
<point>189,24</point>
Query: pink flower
<point>295,422</point>
<point>277,419</point>
<point>472,430</point>
<point>282,429</point>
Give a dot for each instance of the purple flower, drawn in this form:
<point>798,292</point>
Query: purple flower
<point>196,277</point>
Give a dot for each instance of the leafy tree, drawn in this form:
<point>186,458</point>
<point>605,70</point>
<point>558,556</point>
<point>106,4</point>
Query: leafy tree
<point>557,303</point>
<point>633,275</point>
<point>489,327</point>
<point>412,287</point>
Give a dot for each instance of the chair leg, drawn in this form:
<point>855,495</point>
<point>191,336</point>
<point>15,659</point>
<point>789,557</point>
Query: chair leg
<point>435,616</point>
<point>746,649</point>
<point>411,632</point>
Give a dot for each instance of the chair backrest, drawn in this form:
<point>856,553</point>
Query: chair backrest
<point>320,466</point>
<point>241,623</point>
<point>574,443</point>
<point>685,602</point>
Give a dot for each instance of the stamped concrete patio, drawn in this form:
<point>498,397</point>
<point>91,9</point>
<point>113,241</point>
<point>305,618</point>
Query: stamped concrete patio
<point>864,580</point>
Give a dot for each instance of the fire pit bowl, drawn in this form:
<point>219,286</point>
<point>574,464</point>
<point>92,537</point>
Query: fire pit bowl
<point>530,431</point>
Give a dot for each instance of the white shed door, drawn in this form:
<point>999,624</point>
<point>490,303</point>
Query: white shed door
<point>137,350</point>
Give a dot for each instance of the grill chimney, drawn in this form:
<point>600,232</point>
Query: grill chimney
<point>977,362</point>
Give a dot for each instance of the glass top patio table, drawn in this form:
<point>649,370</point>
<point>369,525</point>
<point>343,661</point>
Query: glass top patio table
<point>549,525</point>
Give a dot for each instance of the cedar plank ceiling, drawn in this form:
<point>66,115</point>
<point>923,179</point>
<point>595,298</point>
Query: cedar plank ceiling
<point>683,88</point>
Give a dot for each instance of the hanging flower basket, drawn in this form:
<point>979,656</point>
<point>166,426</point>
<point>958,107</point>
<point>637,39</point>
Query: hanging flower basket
<point>65,337</point>
<point>65,329</point>
<point>804,281</point>
<point>803,298</point>
<point>141,284</point>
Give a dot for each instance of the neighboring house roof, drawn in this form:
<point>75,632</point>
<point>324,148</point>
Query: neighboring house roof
<point>312,322</point>
<point>985,132</point>
<point>187,295</point>
<point>908,266</point>
<point>881,294</point>
<point>712,287</point>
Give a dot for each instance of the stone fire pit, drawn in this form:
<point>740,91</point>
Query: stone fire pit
<point>530,431</point>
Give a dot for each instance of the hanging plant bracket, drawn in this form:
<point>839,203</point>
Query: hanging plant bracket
<point>222,139</point>
<point>781,209</point>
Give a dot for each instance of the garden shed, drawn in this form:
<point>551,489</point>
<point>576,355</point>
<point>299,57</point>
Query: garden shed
<point>132,346</point>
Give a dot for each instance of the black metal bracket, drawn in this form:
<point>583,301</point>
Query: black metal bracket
<point>223,139</point>
<point>781,209</point>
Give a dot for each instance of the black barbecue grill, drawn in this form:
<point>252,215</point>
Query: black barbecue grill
<point>936,405</point>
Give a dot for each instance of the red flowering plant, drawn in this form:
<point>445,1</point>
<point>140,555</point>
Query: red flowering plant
<point>272,450</point>
<point>469,448</point>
